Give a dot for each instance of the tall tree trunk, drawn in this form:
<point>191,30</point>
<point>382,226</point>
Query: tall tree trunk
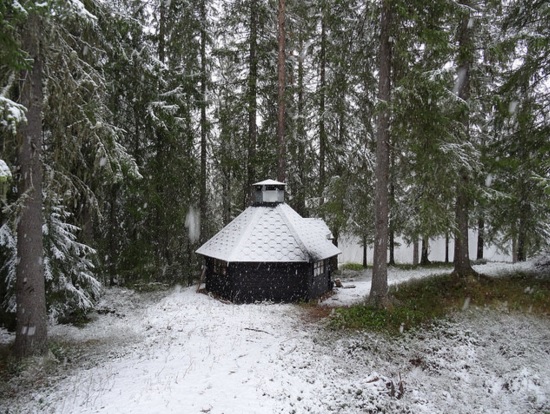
<point>514,249</point>
<point>162,30</point>
<point>379,290</point>
<point>391,227</point>
<point>462,266</point>
<point>204,126</point>
<point>480,237</point>
<point>364,251</point>
<point>415,251</point>
<point>300,198</point>
<point>281,71</point>
<point>252,102</point>
<point>160,240</point>
<point>322,89</point>
<point>447,247</point>
<point>521,254</point>
<point>31,334</point>
<point>391,245</point>
<point>424,259</point>
<point>112,238</point>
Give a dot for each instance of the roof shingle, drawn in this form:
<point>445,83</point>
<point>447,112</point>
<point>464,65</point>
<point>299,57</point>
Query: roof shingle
<point>271,234</point>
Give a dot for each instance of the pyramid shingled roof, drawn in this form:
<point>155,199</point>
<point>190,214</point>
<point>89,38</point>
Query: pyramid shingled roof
<point>271,234</point>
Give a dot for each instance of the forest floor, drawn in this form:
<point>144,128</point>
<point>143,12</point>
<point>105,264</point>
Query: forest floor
<point>179,351</point>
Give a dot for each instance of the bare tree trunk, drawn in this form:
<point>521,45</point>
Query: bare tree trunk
<point>322,87</point>
<point>415,251</point>
<point>204,126</point>
<point>160,241</point>
<point>252,102</point>
<point>300,198</point>
<point>525,211</point>
<point>424,260</point>
<point>390,222</point>
<point>521,254</point>
<point>31,334</point>
<point>379,290</point>
<point>281,69</point>
<point>480,237</point>
<point>446,247</point>
<point>514,249</point>
<point>364,251</point>
<point>112,240</point>
<point>162,30</point>
<point>391,246</point>
<point>462,266</point>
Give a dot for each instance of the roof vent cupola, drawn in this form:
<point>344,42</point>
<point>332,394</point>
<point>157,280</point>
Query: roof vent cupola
<point>269,192</point>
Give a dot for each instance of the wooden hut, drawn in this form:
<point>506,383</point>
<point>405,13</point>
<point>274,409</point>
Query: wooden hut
<point>270,252</point>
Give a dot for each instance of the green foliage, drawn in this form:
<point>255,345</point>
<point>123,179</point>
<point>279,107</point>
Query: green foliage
<point>423,301</point>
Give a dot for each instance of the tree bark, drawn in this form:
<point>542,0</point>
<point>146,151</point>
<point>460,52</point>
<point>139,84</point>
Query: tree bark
<point>322,89</point>
<point>364,251</point>
<point>514,249</point>
<point>480,237</point>
<point>112,240</point>
<point>204,126</point>
<point>31,334</point>
<point>415,251</point>
<point>390,223</point>
<point>162,31</point>
<point>281,72</point>
<point>252,102</point>
<point>391,246</point>
<point>521,254</point>
<point>446,247</point>
<point>300,198</point>
<point>379,290</point>
<point>424,259</point>
<point>462,266</point>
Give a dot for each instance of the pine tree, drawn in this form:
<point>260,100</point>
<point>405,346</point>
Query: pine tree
<point>518,153</point>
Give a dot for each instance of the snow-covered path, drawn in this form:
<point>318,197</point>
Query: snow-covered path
<point>189,353</point>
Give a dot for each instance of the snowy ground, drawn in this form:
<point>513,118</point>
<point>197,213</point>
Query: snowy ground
<point>183,352</point>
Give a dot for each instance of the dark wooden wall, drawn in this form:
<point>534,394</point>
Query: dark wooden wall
<point>255,282</point>
<point>277,282</point>
<point>320,284</point>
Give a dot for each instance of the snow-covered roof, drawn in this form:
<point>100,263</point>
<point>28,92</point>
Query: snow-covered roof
<point>271,234</point>
<point>269,182</point>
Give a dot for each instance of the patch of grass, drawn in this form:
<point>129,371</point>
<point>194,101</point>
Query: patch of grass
<point>421,301</point>
<point>431,265</point>
<point>352,266</point>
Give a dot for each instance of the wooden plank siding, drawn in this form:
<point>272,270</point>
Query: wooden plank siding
<point>248,282</point>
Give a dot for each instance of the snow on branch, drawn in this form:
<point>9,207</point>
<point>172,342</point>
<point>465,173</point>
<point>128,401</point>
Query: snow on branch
<point>11,114</point>
<point>78,8</point>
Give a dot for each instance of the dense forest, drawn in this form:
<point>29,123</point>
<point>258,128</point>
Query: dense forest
<point>132,130</point>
